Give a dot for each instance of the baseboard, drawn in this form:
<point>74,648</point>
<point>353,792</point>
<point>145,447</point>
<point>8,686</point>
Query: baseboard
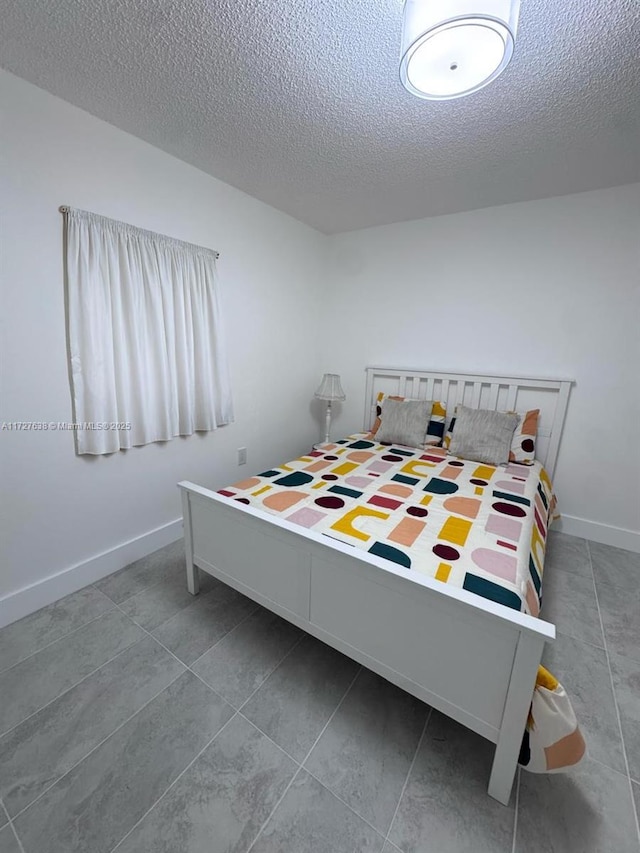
<point>23,601</point>
<point>619,537</point>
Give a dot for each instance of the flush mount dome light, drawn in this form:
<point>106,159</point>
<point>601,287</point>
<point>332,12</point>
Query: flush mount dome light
<point>451,48</point>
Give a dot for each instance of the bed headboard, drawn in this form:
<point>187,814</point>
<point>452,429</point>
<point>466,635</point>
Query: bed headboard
<point>479,391</point>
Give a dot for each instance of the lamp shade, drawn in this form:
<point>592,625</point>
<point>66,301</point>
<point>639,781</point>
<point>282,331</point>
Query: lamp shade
<point>451,48</point>
<point>330,388</point>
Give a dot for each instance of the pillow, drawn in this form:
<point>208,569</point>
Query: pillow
<point>483,435</point>
<point>523,444</point>
<point>435,430</point>
<point>404,421</point>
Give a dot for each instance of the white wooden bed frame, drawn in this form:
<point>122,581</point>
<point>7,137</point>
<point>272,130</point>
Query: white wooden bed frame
<point>471,658</point>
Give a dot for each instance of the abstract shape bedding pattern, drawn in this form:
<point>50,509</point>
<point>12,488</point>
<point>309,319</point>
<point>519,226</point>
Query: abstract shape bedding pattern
<point>475,526</point>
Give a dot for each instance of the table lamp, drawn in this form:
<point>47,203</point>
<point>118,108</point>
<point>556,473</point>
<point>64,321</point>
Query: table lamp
<point>329,389</point>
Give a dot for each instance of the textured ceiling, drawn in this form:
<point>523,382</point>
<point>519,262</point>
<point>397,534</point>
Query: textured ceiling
<point>298,102</point>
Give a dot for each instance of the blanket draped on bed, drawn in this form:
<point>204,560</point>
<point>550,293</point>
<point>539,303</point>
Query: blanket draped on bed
<point>476,526</point>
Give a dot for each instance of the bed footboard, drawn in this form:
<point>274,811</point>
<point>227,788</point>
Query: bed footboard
<point>470,658</point>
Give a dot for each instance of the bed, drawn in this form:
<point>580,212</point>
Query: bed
<point>342,570</point>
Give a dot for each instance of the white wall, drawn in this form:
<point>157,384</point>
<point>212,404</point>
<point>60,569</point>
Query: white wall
<point>544,288</point>
<point>60,510</point>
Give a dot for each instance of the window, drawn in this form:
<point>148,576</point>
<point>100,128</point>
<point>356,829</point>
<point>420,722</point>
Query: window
<point>146,342</point>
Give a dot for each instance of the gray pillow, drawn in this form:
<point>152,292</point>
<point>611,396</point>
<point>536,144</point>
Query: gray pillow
<point>404,421</point>
<point>483,435</point>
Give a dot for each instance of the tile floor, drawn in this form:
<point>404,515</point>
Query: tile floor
<point>135,718</point>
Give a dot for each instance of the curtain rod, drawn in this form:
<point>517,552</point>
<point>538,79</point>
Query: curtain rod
<point>64,210</point>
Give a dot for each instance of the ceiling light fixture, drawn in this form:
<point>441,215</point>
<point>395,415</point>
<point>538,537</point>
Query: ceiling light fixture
<point>451,48</point>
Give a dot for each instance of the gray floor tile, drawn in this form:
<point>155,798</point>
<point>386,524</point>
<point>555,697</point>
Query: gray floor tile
<point>365,753</point>
<point>31,684</point>
<point>162,564</point>
<point>192,631</point>
<point>311,820</point>
<point>620,610</point>
<point>635,788</point>
<point>587,811</point>
<point>8,843</point>
<point>583,671</point>
<point>297,699</point>
<point>49,743</point>
<point>445,806</point>
<point>568,553</point>
<point>224,797</point>
<point>163,600</point>
<point>626,683</point>
<point>616,566</point>
<point>100,800</point>
<point>28,635</point>
<point>244,658</point>
<point>221,802</point>
<point>569,602</point>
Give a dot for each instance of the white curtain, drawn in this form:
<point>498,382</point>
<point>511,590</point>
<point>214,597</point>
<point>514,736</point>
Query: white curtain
<point>145,336</point>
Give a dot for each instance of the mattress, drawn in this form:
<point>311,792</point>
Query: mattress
<point>476,526</point>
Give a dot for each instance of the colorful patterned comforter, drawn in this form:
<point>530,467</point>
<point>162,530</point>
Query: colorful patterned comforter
<point>479,527</point>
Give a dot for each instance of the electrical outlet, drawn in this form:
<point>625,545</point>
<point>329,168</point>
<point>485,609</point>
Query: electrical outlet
<point>242,456</point>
